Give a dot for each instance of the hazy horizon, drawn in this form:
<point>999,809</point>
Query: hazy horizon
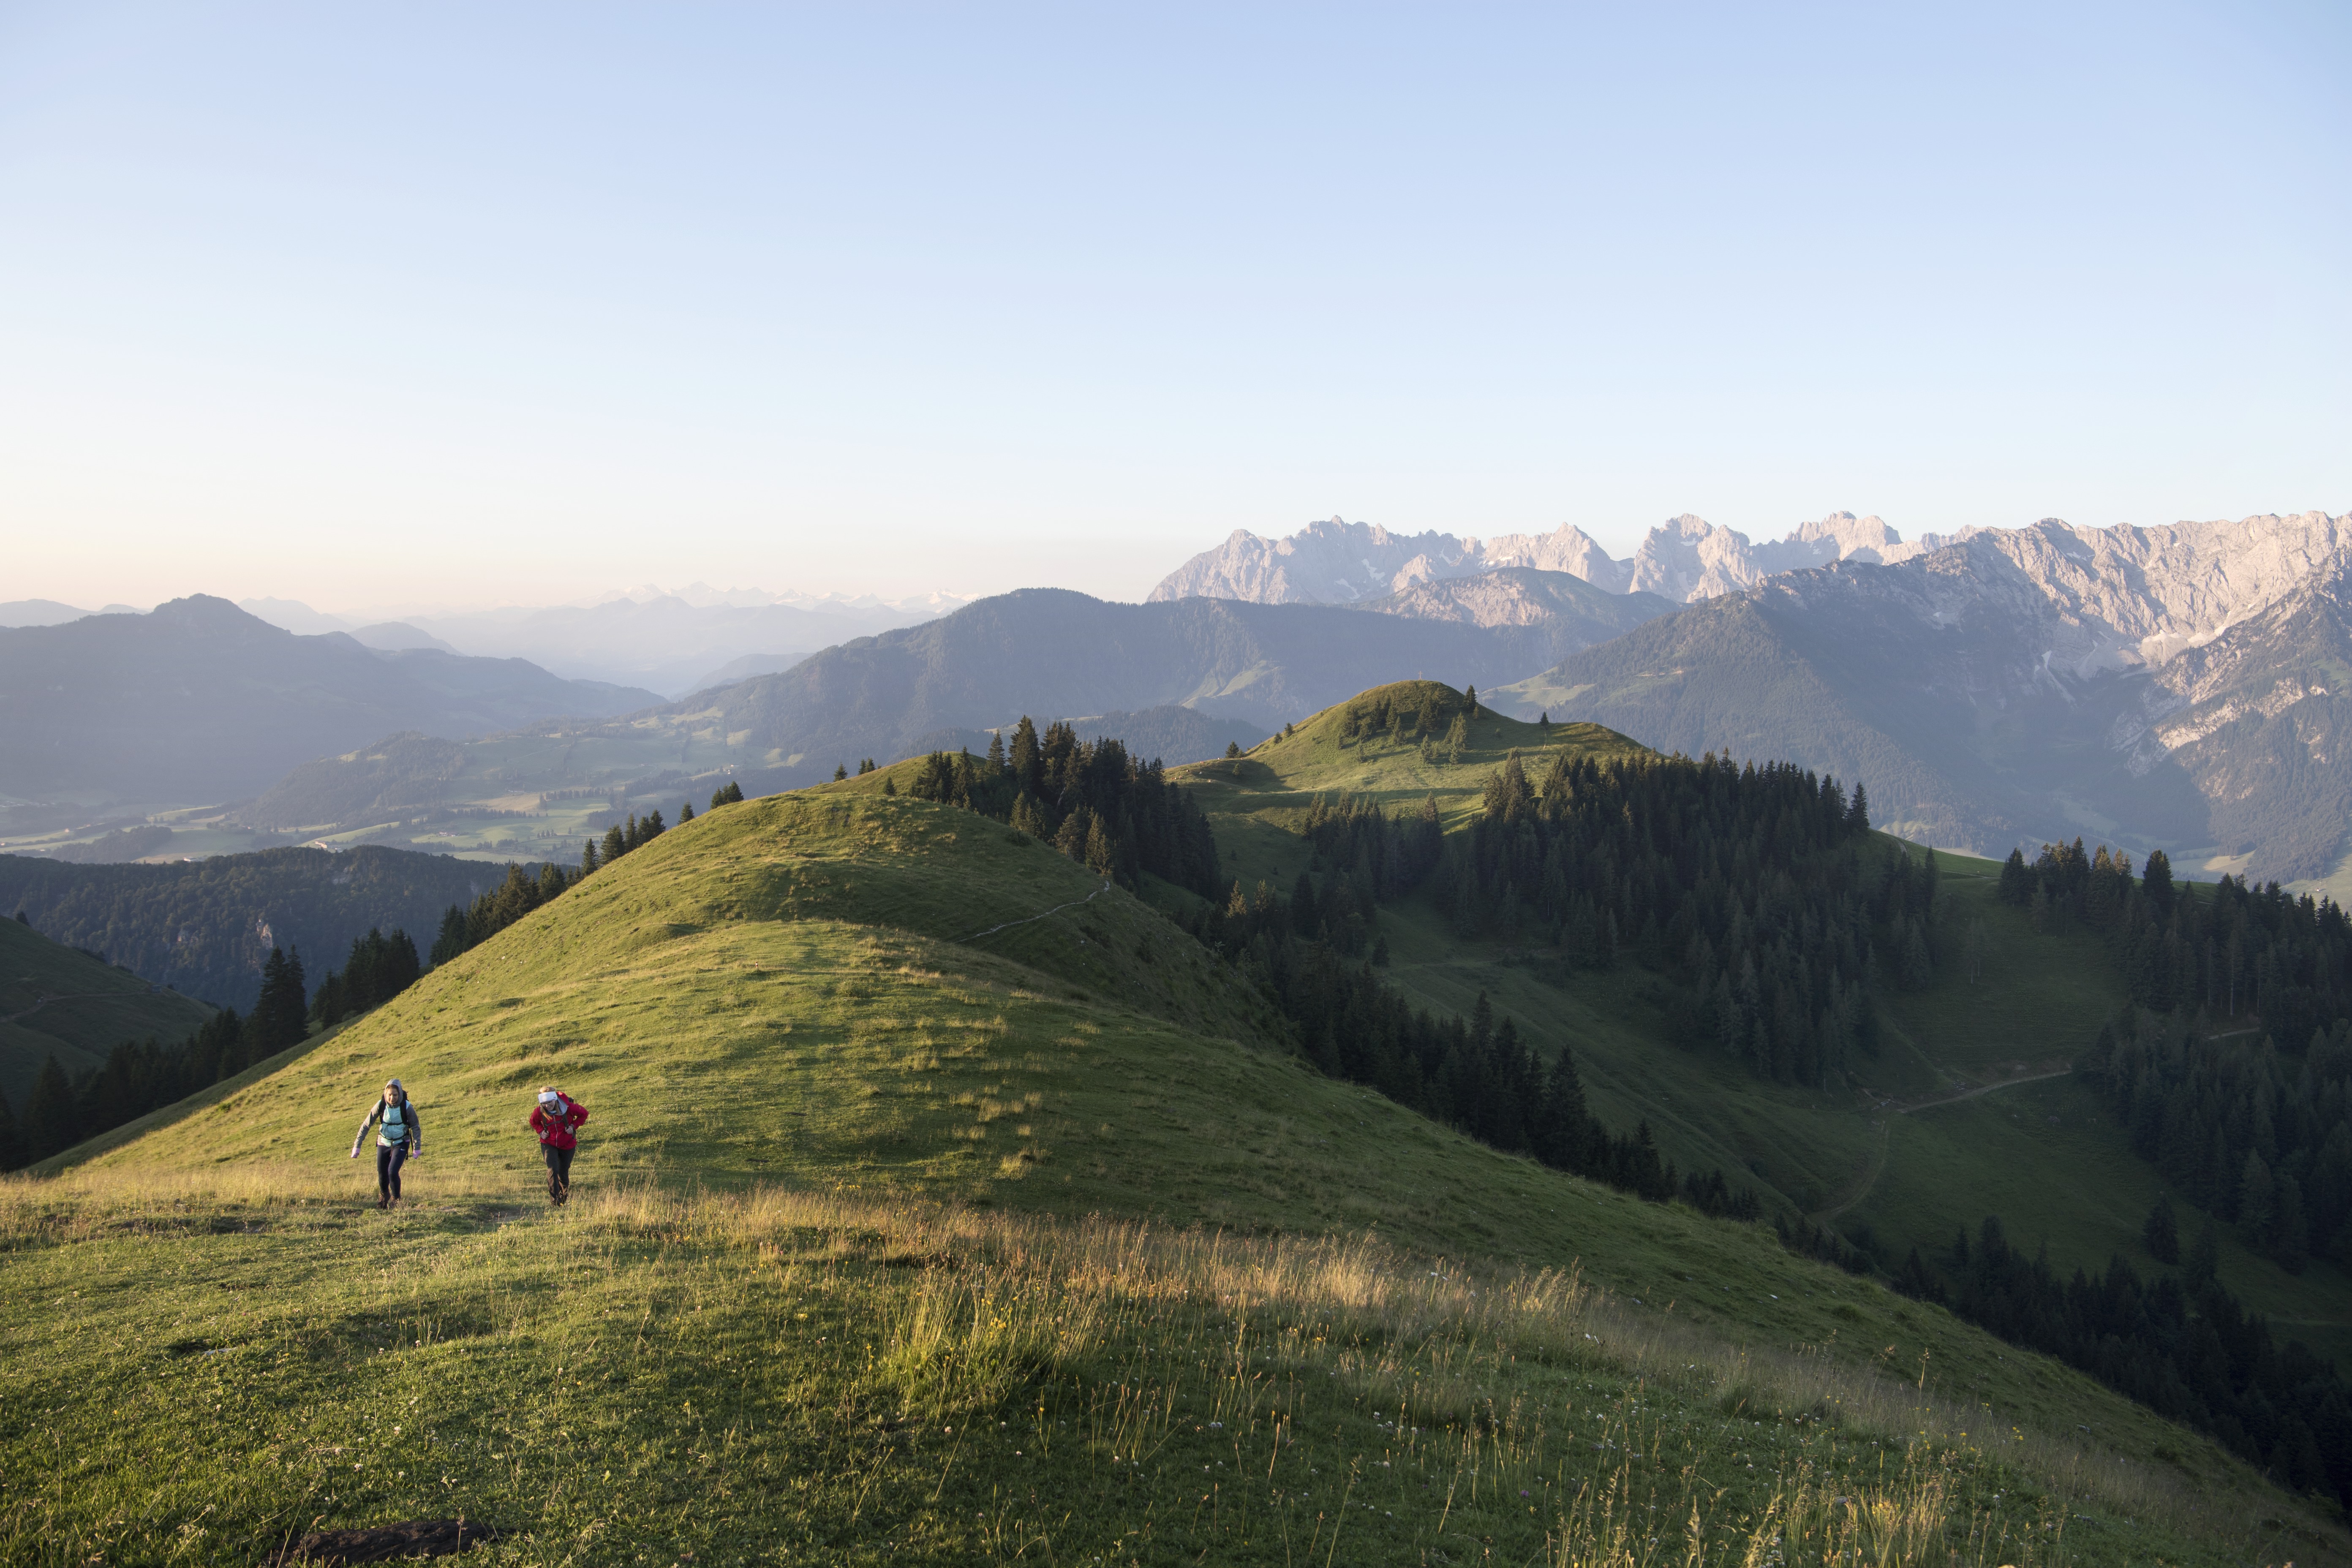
<point>441,307</point>
<point>701,593</point>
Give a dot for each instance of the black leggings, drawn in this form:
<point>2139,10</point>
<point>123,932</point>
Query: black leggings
<point>388,1163</point>
<point>559,1171</point>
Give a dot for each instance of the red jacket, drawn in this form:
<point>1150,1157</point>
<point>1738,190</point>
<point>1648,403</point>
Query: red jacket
<point>556,1132</point>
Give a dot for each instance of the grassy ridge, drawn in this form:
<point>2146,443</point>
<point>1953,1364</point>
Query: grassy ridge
<point>735,1014</point>
<point>732,1007</point>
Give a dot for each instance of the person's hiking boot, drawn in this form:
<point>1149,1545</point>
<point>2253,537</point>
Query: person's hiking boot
<point>382,1202</point>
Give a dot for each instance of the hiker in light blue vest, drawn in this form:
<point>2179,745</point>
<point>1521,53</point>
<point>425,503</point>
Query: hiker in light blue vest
<point>399,1138</point>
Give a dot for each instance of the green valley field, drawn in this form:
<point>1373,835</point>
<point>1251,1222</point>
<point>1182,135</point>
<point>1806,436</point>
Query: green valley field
<point>943,1202</point>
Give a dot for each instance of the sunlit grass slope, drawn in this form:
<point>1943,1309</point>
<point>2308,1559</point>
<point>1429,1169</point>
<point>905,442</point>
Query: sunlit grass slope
<point>58,1001</point>
<point>208,1339</point>
<point>1842,1152</point>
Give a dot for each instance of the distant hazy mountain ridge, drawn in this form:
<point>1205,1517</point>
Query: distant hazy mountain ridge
<point>649,637</point>
<point>199,702</point>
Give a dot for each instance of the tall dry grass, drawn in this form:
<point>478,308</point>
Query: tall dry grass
<point>998,1298</point>
<point>1260,1332</point>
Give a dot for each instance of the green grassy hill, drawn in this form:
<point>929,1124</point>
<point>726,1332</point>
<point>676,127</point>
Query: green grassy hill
<point>56,1001</point>
<point>939,1202</point>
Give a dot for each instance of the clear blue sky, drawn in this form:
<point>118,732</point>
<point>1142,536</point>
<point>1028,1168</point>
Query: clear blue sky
<point>406,304</point>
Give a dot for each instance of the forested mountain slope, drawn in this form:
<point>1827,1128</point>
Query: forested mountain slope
<point>206,927</point>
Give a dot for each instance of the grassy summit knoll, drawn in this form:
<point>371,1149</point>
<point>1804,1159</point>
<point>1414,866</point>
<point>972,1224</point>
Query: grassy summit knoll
<point>907,1231</point>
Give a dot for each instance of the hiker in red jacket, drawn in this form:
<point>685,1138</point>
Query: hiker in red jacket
<point>556,1119</point>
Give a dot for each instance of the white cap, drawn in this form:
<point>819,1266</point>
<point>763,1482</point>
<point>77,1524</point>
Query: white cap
<point>548,1097</point>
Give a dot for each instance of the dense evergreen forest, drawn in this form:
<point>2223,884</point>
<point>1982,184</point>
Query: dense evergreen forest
<point>2233,1067</point>
<point>2228,951</point>
<point>1089,799</point>
<point>2184,1347</point>
<point>1760,888</point>
<point>380,968</point>
<point>2259,1138</point>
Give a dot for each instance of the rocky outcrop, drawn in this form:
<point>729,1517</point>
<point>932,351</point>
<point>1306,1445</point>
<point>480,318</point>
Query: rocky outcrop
<point>1331,562</point>
<point>1569,549</point>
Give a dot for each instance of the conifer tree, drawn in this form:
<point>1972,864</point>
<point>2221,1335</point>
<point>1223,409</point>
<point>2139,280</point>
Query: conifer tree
<point>2016,882</point>
<point>840,772</point>
<point>685,813</point>
<point>49,1120</point>
<point>2257,1199</point>
<point>651,828</point>
<point>889,785</point>
<point>2155,883</point>
<point>1101,859</point>
<point>1304,918</point>
<point>996,762</point>
<point>451,939</point>
<point>588,860</point>
<point>1857,814</point>
<point>1233,750</point>
<point>616,843</point>
<point>2161,1232</point>
<point>2203,1266</point>
<point>1027,759</point>
<point>2290,1232</point>
<point>281,1014</point>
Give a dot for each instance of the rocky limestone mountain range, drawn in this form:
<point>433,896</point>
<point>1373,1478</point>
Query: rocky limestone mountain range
<point>2172,686</point>
<point>1684,559</point>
